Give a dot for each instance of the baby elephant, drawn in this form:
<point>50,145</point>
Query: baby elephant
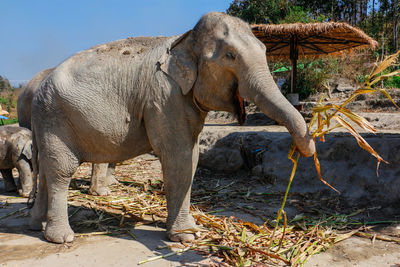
<point>16,152</point>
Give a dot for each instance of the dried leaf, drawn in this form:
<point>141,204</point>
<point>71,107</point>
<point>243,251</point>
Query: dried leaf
<point>360,121</point>
<point>318,168</point>
<point>383,91</point>
<point>387,62</point>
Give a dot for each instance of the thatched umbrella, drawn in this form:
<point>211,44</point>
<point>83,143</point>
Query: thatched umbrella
<point>312,40</point>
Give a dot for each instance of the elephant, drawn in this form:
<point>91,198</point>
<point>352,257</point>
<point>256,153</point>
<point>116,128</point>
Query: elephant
<point>102,174</point>
<point>16,152</point>
<point>153,96</point>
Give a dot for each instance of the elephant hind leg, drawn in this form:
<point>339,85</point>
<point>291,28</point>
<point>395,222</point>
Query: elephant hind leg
<point>39,210</point>
<point>110,178</point>
<point>9,182</point>
<point>98,183</point>
<point>58,163</point>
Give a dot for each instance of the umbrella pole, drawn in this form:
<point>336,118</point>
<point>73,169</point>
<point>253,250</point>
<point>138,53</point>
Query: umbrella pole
<point>293,97</point>
<point>293,76</point>
<point>293,59</point>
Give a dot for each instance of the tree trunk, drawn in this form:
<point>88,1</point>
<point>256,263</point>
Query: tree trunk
<point>354,10</point>
<point>395,24</point>
<point>373,13</point>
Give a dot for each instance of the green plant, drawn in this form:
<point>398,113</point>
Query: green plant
<point>300,14</point>
<point>313,77</point>
<point>392,82</point>
<point>9,121</point>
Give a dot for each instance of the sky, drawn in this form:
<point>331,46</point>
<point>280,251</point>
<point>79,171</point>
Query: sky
<point>40,34</point>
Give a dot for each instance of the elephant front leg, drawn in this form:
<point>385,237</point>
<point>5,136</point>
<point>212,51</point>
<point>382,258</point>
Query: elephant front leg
<point>9,182</point>
<point>178,169</point>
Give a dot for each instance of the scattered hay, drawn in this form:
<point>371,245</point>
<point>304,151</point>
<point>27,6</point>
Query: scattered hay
<point>237,242</point>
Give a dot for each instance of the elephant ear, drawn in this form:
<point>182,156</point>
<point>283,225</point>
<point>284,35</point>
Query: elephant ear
<point>180,63</point>
<point>27,150</point>
<point>22,144</point>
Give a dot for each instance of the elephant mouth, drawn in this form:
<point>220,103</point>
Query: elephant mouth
<point>240,110</point>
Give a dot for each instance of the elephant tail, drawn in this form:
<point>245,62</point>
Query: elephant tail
<point>35,167</point>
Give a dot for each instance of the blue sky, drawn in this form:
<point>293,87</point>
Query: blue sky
<point>39,34</point>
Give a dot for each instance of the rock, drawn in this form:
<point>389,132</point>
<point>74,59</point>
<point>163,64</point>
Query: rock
<point>342,85</point>
<point>257,170</point>
<point>221,159</point>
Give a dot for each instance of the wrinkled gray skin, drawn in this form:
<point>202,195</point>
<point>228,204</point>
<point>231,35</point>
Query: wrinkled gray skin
<point>102,174</point>
<point>16,152</point>
<point>154,96</point>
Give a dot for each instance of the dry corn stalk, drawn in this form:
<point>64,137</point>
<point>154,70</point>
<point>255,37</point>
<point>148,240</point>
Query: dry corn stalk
<point>324,115</point>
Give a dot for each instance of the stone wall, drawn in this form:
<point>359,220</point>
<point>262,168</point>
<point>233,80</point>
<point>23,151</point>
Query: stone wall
<point>344,164</point>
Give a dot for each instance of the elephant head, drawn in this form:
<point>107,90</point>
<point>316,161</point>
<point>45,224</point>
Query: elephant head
<point>220,62</point>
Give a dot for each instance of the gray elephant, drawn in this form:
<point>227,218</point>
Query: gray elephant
<point>154,95</point>
<point>16,152</point>
<point>102,174</point>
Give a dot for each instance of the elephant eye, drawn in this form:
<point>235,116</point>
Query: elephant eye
<point>230,55</point>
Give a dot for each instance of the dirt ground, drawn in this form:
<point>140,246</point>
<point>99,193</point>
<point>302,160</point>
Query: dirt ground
<point>22,247</point>
<point>229,185</point>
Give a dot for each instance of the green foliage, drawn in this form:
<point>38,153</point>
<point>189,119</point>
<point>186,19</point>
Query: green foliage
<point>299,14</point>
<point>259,11</point>
<point>392,82</point>
<point>273,11</point>
<point>9,121</point>
<point>313,77</point>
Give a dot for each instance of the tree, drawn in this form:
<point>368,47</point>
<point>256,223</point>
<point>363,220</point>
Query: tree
<point>259,11</point>
<point>4,84</point>
<point>378,18</point>
<point>396,11</point>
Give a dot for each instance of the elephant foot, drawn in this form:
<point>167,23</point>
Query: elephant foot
<point>184,232</point>
<point>100,191</point>
<point>24,193</point>
<point>181,237</point>
<point>110,179</point>
<point>59,234</point>
<point>37,225</point>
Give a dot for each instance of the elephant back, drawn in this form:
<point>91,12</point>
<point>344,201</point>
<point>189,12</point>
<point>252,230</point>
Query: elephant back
<point>132,47</point>
<point>24,102</point>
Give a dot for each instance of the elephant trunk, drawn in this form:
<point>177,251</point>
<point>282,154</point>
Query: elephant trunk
<point>260,88</point>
